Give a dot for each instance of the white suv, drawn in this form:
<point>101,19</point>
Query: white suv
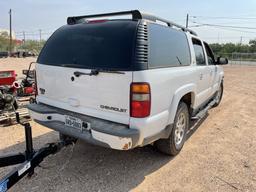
<point>124,83</point>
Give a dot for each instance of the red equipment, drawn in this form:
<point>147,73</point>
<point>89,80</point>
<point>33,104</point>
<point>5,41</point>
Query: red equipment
<point>7,77</point>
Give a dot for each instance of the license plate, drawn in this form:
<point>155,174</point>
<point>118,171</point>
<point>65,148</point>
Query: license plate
<point>73,122</point>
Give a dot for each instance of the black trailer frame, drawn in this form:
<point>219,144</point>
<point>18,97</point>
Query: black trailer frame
<point>28,160</point>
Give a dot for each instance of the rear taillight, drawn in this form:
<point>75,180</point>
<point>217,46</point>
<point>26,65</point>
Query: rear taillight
<point>140,100</point>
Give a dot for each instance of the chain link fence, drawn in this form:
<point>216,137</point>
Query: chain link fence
<point>237,58</point>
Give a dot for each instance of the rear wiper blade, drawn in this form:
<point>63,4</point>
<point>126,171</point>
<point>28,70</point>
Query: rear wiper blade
<point>96,72</point>
<point>108,71</point>
<point>72,65</point>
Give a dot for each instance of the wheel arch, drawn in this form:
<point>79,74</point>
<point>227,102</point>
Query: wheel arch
<point>186,94</point>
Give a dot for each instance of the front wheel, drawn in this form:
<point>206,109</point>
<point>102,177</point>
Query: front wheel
<point>173,144</point>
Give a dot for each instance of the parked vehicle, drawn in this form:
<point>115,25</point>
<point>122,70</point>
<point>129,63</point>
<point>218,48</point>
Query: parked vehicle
<point>125,83</point>
<point>22,54</point>
<point>3,54</point>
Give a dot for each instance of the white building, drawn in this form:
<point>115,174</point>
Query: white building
<point>6,30</point>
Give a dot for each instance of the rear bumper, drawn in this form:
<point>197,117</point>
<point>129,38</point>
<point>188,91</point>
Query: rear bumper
<point>102,132</point>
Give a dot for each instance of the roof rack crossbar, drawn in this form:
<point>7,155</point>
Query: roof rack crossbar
<point>136,15</point>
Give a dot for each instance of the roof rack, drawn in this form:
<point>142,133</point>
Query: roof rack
<point>136,15</point>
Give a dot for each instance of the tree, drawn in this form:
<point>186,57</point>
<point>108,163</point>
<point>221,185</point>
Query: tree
<point>228,48</point>
<point>32,45</point>
<point>252,44</point>
<point>4,41</point>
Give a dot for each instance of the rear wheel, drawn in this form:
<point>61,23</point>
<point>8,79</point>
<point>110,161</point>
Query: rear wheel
<point>173,144</point>
<point>218,96</point>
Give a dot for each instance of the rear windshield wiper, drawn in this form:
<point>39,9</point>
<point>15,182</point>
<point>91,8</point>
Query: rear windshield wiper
<point>178,60</point>
<point>96,72</point>
<point>72,65</point>
<point>108,71</point>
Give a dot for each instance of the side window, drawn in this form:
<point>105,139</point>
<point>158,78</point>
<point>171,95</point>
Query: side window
<point>168,47</point>
<point>209,53</point>
<point>199,51</point>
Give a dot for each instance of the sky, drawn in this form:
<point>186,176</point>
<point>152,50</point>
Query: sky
<point>32,15</point>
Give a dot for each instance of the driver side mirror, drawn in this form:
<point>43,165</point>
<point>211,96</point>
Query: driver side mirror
<point>221,61</point>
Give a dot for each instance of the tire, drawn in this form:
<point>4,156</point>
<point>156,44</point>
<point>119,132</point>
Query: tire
<point>173,145</point>
<point>218,95</point>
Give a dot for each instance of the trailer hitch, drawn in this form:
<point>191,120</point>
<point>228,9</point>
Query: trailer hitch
<point>29,159</point>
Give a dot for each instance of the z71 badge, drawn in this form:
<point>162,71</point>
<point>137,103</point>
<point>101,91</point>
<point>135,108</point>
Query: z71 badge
<point>113,108</point>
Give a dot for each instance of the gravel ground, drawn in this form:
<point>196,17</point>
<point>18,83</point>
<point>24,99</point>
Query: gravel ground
<point>219,156</point>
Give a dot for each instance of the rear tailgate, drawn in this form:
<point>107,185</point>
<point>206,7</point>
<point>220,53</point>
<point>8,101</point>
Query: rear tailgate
<point>104,96</point>
<point>104,46</point>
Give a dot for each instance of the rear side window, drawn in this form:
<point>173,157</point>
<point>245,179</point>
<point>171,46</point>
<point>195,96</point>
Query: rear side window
<point>210,56</point>
<point>167,47</point>
<point>104,45</point>
<point>199,51</point>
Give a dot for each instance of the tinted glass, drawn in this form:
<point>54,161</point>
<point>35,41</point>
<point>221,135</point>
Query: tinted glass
<point>107,45</point>
<point>209,53</point>
<point>168,47</point>
<point>200,58</point>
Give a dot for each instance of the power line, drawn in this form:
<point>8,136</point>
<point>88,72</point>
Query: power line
<point>33,31</point>
<point>242,23</point>
<point>227,29</point>
<point>227,26</point>
<point>224,27</point>
<point>234,37</point>
<point>33,34</point>
<point>236,18</point>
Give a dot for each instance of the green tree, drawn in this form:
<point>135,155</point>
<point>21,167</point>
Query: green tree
<point>252,44</point>
<point>4,41</point>
<point>32,45</point>
<point>228,48</point>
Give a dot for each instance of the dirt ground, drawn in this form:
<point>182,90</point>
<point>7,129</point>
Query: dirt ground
<point>219,156</point>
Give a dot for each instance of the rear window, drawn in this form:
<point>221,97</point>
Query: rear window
<point>168,47</point>
<point>104,45</point>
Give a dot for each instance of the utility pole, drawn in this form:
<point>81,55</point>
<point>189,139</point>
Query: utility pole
<point>24,37</point>
<point>24,40</point>
<point>187,21</point>
<point>10,33</point>
<point>40,39</point>
<point>40,35</point>
<point>241,40</point>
